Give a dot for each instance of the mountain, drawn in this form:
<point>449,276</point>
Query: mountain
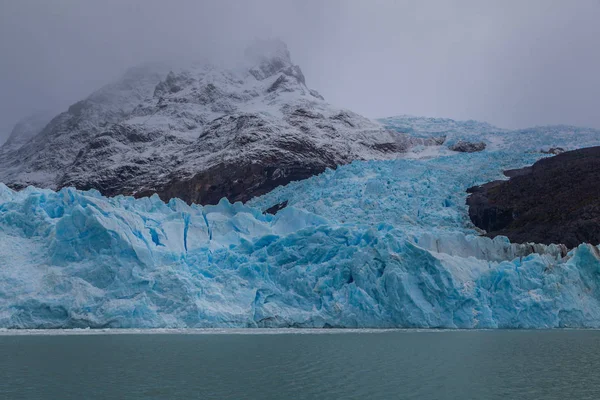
<point>44,159</point>
<point>25,130</point>
<point>200,134</point>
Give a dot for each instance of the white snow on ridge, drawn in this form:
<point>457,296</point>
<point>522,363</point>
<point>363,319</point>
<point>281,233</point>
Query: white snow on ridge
<point>25,130</point>
<point>43,157</point>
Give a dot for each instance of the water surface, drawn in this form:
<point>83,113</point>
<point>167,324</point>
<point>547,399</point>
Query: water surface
<point>353,365</point>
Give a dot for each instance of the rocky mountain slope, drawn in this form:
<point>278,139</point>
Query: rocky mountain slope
<point>25,130</point>
<point>42,160</point>
<point>556,200</point>
<point>200,134</point>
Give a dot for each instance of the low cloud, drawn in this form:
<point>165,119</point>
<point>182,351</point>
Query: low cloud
<point>511,63</point>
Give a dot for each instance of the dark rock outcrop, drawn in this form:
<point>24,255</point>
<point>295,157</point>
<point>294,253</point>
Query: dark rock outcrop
<point>238,181</point>
<point>467,147</point>
<point>276,208</point>
<point>554,150</point>
<point>556,200</point>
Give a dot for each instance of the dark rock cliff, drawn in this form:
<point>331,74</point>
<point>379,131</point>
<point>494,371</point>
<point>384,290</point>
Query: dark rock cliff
<point>556,200</point>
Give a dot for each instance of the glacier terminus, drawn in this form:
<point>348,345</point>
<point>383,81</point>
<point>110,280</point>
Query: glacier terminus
<point>376,243</point>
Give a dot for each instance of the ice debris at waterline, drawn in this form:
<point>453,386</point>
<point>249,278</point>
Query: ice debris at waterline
<point>372,244</point>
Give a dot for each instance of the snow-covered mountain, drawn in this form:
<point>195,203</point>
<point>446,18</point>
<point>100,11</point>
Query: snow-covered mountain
<point>44,159</point>
<point>200,134</point>
<point>25,130</point>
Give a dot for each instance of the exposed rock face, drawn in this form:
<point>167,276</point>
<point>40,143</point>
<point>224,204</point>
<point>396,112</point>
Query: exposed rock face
<point>467,147</point>
<point>200,134</point>
<point>276,208</point>
<point>557,200</point>
<point>554,150</point>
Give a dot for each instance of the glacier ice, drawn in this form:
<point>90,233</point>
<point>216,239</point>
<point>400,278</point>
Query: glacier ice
<point>518,140</point>
<point>371,244</point>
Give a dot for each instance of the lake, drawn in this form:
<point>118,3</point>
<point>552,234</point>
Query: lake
<point>334,364</point>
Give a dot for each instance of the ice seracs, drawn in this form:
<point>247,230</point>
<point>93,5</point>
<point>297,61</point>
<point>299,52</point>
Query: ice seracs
<point>371,244</point>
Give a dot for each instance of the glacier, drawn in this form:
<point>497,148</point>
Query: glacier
<point>371,244</point>
<point>539,138</point>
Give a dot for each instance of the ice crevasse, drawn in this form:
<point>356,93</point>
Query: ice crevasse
<point>371,244</point>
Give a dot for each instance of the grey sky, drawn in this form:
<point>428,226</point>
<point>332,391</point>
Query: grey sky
<point>511,63</point>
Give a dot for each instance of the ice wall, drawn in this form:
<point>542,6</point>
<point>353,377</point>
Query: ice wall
<point>372,244</point>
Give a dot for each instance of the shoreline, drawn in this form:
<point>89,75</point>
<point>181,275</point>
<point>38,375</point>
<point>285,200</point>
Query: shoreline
<point>253,331</point>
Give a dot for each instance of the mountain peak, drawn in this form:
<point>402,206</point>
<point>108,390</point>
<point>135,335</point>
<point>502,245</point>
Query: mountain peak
<point>268,57</point>
<point>199,134</point>
<point>26,129</point>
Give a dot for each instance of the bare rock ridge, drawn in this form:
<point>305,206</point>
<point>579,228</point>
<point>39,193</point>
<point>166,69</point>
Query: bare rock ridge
<point>199,134</point>
<point>556,200</point>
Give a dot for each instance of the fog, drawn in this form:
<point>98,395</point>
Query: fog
<point>511,63</point>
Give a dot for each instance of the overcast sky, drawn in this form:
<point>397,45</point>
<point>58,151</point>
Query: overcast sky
<point>511,63</point>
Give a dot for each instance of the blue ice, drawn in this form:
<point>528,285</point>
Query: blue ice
<point>371,244</point>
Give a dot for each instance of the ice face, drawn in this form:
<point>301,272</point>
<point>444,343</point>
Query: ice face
<point>371,244</point>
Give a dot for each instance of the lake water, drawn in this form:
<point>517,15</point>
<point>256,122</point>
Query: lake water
<point>348,365</point>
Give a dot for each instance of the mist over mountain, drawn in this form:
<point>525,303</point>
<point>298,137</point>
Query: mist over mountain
<point>512,64</point>
<point>26,129</point>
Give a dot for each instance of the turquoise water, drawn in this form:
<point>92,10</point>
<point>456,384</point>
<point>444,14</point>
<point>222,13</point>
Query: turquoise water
<point>381,365</point>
